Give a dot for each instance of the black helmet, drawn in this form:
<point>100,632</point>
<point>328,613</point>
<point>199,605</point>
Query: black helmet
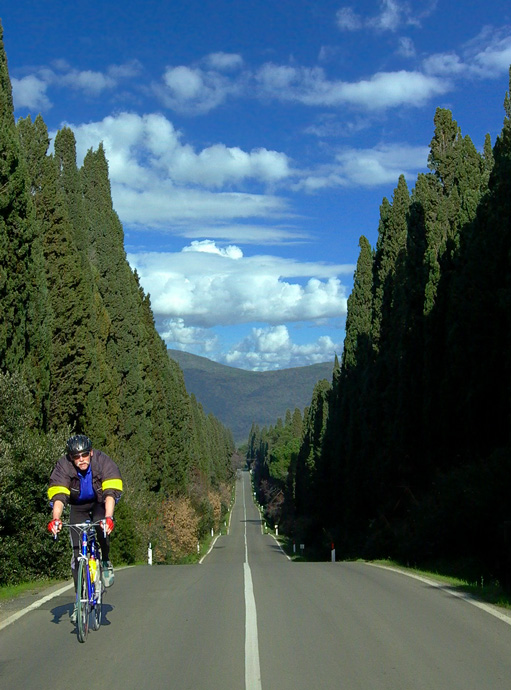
<point>78,444</point>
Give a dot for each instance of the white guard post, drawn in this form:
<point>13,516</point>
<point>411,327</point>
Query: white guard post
<point>150,555</point>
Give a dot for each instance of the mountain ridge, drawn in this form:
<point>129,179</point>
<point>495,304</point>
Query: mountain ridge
<point>239,398</point>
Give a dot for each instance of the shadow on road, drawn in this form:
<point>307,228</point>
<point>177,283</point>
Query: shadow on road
<point>65,610</point>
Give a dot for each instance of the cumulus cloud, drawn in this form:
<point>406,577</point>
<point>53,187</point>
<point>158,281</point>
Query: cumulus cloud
<point>179,336</point>
<point>209,247</point>
<point>494,56</point>
<point>383,90</point>
<point>30,92</point>
<point>194,90</point>
<point>142,146</point>
<point>158,180</point>
<point>272,348</point>
<point>368,167</point>
<point>262,349</point>
<point>88,81</point>
<point>208,286</point>
<point>488,55</point>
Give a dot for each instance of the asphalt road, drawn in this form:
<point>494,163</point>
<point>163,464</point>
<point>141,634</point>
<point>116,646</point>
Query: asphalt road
<point>247,618</point>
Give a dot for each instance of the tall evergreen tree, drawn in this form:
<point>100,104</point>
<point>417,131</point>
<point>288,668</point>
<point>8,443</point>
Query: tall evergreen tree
<point>24,335</point>
<point>73,364</point>
<point>125,349</point>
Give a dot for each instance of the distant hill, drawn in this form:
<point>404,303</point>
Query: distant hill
<point>238,397</point>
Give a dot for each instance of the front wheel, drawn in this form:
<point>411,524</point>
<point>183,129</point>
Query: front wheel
<point>82,602</point>
<point>98,596</point>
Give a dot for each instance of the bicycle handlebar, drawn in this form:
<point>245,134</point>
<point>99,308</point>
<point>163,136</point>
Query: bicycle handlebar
<point>85,525</point>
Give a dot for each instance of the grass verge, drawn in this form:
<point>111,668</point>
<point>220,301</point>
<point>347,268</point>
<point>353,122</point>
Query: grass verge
<point>490,592</point>
<point>34,587</point>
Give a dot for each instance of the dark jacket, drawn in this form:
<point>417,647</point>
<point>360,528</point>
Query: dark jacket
<point>65,483</point>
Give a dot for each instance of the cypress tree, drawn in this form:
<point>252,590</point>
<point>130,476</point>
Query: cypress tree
<point>24,335</point>
<point>73,362</point>
<point>357,342</point>
<point>125,351</point>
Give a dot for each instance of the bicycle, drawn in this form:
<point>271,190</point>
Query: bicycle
<point>89,590</point>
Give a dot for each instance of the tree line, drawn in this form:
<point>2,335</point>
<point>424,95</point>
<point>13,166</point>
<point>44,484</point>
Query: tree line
<point>79,352</point>
<point>406,453</point>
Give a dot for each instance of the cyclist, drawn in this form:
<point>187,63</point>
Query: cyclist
<point>91,482</point>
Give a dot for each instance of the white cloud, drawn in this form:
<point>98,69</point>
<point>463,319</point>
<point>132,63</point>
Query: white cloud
<point>159,181</point>
<point>249,234</point>
<point>272,348</point>
<point>348,20</point>
<point>368,167</point>
<point>30,92</point>
<point>209,247</point>
<point>444,64</point>
<point>207,286</point>
<point>193,90</point>
<point>383,90</point>
<point>178,336</point>
<point>382,164</point>
<point>392,16</point>
<point>262,349</point>
<point>406,47</point>
<point>88,81</point>
<point>488,55</point>
<point>224,61</point>
<point>219,165</point>
<point>491,52</point>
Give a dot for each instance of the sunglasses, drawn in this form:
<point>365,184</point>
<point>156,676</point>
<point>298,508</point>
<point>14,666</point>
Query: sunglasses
<point>85,454</point>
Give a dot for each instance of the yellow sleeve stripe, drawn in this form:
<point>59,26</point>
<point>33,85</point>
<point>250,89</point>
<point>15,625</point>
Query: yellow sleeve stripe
<point>112,484</point>
<point>54,490</point>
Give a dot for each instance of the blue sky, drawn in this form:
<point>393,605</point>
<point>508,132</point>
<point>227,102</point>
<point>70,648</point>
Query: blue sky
<point>250,143</point>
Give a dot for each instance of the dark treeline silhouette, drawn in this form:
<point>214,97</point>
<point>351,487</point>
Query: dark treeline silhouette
<point>407,454</point>
<point>79,352</point>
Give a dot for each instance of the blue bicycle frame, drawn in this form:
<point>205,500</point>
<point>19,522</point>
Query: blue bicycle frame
<point>89,589</point>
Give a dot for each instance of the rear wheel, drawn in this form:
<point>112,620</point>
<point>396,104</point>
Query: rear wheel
<point>82,602</point>
<point>98,596</point>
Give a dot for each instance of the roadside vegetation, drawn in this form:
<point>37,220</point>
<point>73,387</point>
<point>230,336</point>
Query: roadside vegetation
<point>79,353</point>
<point>406,453</point>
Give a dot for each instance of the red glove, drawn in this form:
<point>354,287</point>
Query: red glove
<point>54,526</point>
<point>108,525</point>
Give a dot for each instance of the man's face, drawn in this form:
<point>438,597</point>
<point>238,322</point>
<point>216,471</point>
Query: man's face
<point>82,460</point>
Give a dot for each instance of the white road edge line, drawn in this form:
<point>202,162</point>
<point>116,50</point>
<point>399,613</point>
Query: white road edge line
<point>210,549</point>
<point>492,610</point>
<point>40,602</point>
<point>280,546</point>
<point>33,606</point>
<point>252,667</point>
<point>219,535</point>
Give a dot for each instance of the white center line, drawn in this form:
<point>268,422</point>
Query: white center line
<point>252,668</point>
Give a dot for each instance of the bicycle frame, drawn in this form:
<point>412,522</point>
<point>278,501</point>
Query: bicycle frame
<point>88,593</point>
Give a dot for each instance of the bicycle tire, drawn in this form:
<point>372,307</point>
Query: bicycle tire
<point>82,602</point>
<point>98,597</point>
